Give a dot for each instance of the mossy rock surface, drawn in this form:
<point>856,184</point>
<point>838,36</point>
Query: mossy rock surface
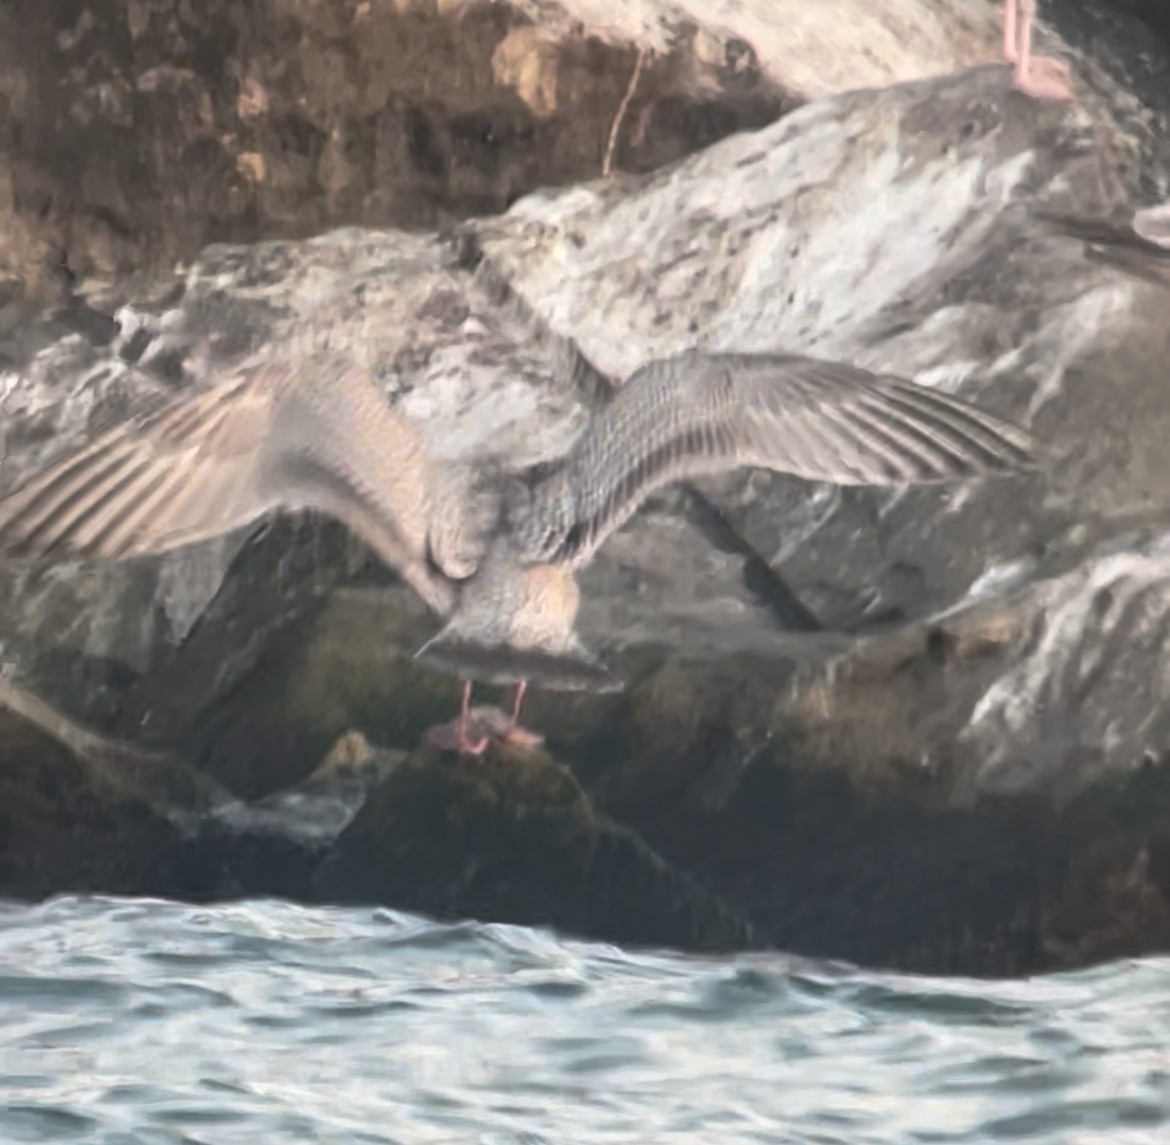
<point>516,839</point>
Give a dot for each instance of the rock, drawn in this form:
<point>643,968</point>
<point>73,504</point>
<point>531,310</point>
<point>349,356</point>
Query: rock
<point>818,52</point>
<point>170,785</point>
<point>515,838</point>
<point>138,136</point>
<point>1119,45</point>
<point>907,855</point>
<point>941,779</point>
<point>316,810</point>
<point>81,813</point>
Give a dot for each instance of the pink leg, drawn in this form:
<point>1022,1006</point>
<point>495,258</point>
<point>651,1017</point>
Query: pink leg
<point>464,711</point>
<point>521,688</point>
<point>1038,77</point>
<point>1011,46</point>
<point>514,734</point>
<point>472,731</point>
<point>456,735</point>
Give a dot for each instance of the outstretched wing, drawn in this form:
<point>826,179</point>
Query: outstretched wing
<point>310,435</point>
<point>1139,244</point>
<point>182,473</point>
<point>703,413</point>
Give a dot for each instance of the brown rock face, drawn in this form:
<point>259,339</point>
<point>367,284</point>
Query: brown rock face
<point>138,133</point>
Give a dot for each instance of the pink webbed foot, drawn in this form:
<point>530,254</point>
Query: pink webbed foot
<point>454,736</point>
<point>462,734</point>
<point>523,739</point>
<point>1045,78</point>
<point>512,733</point>
<point>471,734</point>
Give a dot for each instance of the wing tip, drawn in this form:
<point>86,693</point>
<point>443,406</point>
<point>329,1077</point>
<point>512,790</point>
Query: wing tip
<point>1020,452</point>
<point>1138,245</point>
<point>949,437</point>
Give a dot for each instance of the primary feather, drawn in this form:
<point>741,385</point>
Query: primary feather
<point>701,413</point>
<point>315,436</point>
<point>1138,244</point>
<point>187,471</point>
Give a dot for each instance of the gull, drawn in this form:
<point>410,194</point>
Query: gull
<point>499,569</point>
<point>674,419</point>
<point>1134,241</point>
<point>1040,77</point>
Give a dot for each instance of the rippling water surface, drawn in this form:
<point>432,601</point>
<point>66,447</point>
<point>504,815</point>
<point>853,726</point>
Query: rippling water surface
<point>139,1021</point>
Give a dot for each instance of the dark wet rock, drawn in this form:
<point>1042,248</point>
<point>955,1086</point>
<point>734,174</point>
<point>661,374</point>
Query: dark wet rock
<point>908,852</point>
<point>79,813</point>
<point>963,771</point>
<point>273,590</point>
<point>1121,45</point>
<point>221,860</point>
<point>515,838</point>
<point>316,810</point>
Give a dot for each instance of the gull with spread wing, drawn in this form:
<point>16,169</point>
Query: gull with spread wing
<point>678,418</point>
<point>317,434</point>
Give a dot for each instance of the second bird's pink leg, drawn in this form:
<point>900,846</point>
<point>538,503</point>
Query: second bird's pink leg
<point>521,688</point>
<point>1037,76</point>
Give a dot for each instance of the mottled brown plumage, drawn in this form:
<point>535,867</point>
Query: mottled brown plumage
<point>701,413</point>
<point>678,418</point>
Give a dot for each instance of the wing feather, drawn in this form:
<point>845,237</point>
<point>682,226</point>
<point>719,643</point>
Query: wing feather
<point>1138,244</point>
<point>704,413</point>
<point>134,486</point>
<point>317,434</point>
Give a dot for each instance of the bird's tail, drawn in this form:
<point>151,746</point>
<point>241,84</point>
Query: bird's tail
<point>575,669</point>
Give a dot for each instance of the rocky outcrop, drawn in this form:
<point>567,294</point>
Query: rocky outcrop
<point>78,812</point>
<point>516,839</point>
<point>918,728</point>
<point>137,133</point>
<point>513,838</point>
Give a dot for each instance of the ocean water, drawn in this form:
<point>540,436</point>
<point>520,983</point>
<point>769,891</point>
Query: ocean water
<point>126,1021</point>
